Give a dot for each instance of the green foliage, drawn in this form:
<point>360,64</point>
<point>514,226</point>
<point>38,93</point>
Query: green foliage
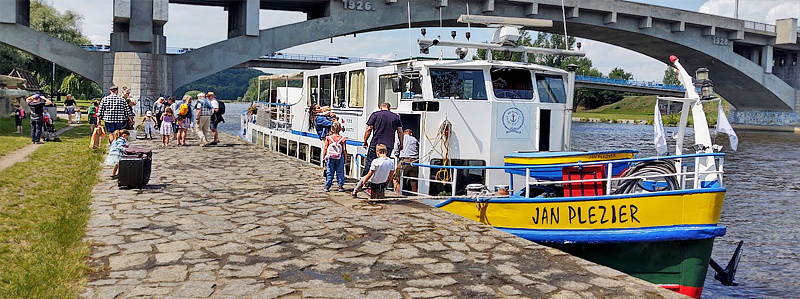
<point>618,73</point>
<point>252,88</point>
<point>671,76</point>
<point>45,18</point>
<point>226,85</point>
<point>80,87</point>
<point>191,93</point>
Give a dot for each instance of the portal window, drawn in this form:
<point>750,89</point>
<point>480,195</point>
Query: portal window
<point>385,91</point>
<point>458,84</point>
<point>509,83</point>
<point>551,89</point>
<point>325,90</point>
<point>357,83</point>
<point>339,89</point>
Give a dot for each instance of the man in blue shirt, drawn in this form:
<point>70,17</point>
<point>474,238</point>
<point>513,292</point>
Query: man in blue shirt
<point>324,121</point>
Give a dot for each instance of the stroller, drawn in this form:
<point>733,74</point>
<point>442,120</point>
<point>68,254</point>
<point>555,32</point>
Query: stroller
<point>49,130</point>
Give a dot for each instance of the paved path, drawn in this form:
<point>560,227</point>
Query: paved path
<point>236,221</point>
<point>21,154</point>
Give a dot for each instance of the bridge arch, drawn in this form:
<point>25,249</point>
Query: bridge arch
<point>651,31</point>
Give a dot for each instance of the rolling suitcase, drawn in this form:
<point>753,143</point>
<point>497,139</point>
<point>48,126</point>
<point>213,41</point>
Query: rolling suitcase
<point>134,167</point>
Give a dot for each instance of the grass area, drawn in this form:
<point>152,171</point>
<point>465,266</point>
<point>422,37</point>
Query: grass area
<point>10,141</point>
<point>640,108</point>
<point>44,208</point>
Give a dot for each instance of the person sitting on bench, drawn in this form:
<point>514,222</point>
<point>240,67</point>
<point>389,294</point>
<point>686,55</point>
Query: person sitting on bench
<point>381,170</point>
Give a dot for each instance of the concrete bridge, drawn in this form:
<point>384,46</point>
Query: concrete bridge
<point>753,65</point>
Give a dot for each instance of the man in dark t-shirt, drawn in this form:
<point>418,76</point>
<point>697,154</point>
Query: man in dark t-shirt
<point>37,102</point>
<point>385,124</point>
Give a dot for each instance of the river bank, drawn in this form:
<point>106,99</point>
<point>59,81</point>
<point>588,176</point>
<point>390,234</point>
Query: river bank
<point>639,110</point>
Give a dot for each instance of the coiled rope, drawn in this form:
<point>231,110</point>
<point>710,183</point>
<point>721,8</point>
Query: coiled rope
<point>656,167</point>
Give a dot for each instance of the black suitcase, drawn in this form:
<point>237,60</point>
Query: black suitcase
<point>134,167</point>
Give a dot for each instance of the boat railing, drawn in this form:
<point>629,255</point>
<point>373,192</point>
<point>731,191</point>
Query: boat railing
<point>690,176</point>
<point>280,114</point>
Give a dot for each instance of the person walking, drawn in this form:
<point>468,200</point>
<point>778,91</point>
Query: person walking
<point>382,124</point>
<point>203,119</point>
<point>183,119</point>
<point>69,107</point>
<point>166,131</point>
<point>37,102</point>
<point>216,118</point>
<point>19,115</point>
<point>335,153</point>
<point>115,111</point>
<point>158,109</point>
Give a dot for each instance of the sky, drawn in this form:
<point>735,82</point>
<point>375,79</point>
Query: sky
<point>184,30</point>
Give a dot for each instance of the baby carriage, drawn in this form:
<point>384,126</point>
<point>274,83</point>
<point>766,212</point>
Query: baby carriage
<point>49,130</point>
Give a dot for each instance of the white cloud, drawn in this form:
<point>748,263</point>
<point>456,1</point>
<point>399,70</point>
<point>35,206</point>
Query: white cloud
<point>762,11</point>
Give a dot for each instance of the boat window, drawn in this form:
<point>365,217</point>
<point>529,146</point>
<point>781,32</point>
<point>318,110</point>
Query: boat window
<point>357,89</point>
<point>551,88</point>
<point>339,89</point>
<point>313,91</point>
<point>464,176</point>
<point>325,90</point>
<point>511,83</point>
<point>458,84</point>
<point>385,92</point>
<point>411,86</point>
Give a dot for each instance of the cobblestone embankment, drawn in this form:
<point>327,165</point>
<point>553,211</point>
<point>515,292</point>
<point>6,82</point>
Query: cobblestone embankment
<point>236,221</point>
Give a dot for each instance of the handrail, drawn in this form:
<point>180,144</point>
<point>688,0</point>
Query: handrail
<point>651,84</point>
<point>570,164</point>
<point>759,26</point>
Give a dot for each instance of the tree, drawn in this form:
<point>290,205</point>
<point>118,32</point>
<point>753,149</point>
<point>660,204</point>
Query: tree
<point>618,73</point>
<point>229,84</point>
<point>46,19</point>
<point>671,76</point>
<point>80,87</point>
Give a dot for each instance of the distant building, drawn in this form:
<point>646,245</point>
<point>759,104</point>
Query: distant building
<point>30,84</point>
<point>14,88</point>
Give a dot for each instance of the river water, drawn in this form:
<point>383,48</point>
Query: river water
<point>762,204</point>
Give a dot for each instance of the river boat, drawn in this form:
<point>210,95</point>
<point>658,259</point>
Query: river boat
<point>495,148</point>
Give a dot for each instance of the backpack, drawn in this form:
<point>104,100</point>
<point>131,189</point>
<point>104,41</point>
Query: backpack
<point>183,110</point>
<point>335,147</point>
<point>22,114</point>
<point>221,107</point>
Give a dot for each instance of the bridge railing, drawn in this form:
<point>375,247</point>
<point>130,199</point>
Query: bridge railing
<point>759,26</point>
<point>649,84</point>
<point>322,58</point>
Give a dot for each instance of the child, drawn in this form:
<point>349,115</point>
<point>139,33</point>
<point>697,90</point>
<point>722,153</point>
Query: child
<point>116,149</point>
<point>335,153</point>
<point>381,170</point>
<point>149,125</point>
<point>166,126</point>
<point>77,115</point>
<point>19,115</point>
<point>93,115</point>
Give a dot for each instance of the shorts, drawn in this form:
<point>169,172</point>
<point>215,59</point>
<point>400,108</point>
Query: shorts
<point>93,120</point>
<point>213,126</point>
<point>18,121</point>
<point>408,170</point>
<point>69,110</point>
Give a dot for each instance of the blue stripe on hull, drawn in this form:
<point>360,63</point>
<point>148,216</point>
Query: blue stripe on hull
<point>627,235</point>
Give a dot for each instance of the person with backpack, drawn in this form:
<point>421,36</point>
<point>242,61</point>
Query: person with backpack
<point>335,154</point>
<point>19,115</point>
<point>183,118</point>
<point>203,120</point>
<point>216,115</point>
<point>93,115</point>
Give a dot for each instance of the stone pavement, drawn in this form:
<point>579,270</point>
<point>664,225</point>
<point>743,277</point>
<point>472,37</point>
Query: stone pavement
<point>236,221</point>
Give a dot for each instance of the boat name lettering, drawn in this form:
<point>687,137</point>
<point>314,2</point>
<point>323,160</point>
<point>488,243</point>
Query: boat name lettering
<point>594,214</point>
<point>358,5</point>
<point>602,156</point>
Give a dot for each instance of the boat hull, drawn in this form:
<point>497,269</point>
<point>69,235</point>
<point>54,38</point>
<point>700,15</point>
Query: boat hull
<point>662,237</point>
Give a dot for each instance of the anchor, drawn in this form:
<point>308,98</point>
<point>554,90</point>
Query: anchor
<point>726,276</point>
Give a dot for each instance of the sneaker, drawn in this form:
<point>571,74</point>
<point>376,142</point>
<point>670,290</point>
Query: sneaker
<point>114,176</point>
<point>326,189</point>
<point>369,192</point>
<point>341,189</point>
<point>213,143</point>
<point>204,144</point>
<point>353,194</point>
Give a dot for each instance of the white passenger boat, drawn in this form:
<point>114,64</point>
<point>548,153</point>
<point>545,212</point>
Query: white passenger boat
<point>487,125</point>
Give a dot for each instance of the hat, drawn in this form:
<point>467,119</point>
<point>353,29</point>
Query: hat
<point>149,113</point>
<point>201,95</point>
<point>210,93</point>
<point>113,87</point>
